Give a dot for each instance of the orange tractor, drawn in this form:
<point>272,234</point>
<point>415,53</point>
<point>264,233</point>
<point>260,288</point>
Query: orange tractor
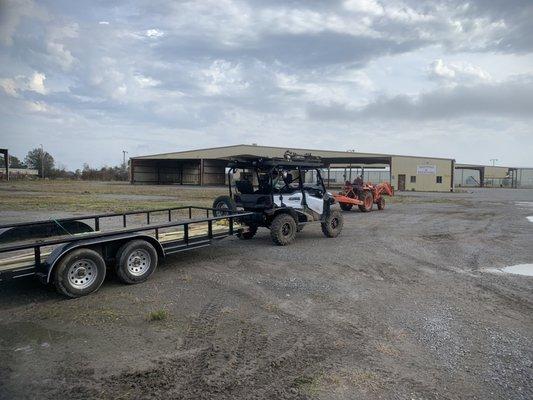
<point>363,195</point>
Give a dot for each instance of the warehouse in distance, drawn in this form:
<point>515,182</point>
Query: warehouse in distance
<point>207,167</point>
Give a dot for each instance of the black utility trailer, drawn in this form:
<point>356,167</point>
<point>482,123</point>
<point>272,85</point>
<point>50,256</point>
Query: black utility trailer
<point>75,253</point>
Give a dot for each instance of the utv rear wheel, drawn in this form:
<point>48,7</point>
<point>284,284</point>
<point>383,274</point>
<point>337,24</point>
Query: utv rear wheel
<point>224,206</point>
<point>346,207</point>
<point>136,261</point>
<point>283,230</point>
<point>79,273</point>
<point>248,234</point>
<point>333,224</point>
<point>368,201</point>
<point>381,204</point>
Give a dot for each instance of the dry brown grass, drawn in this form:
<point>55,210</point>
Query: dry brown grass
<point>89,197</point>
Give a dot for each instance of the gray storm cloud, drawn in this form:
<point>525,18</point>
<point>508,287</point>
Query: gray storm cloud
<point>151,76</point>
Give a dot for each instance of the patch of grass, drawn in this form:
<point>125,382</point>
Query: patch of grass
<point>157,315</point>
<point>307,384</point>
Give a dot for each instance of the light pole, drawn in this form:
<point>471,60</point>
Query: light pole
<point>493,160</point>
<point>124,152</point>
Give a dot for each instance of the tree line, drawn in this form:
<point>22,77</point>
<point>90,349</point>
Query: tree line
<point>45,164</point>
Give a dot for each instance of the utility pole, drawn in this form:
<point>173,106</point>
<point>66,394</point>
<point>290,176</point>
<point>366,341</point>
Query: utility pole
<point>42,161</point>
<point>124,152</point>
<point>493,160</point>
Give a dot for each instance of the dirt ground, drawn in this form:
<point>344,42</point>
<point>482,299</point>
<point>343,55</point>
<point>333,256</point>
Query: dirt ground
<point>403,305</point>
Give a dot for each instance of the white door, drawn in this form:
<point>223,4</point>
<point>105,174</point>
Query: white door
<point>315,203</point>
<point>293,200</point>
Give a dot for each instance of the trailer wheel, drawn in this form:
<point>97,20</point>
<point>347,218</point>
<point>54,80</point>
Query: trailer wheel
<point>346,206</point>
<point>368,201</point>
<point>249,234</point>
<point>381,203</point>
<point>136,261</point>
<point>333,224</point>
<point>225,204</point>
<point>79,273</point>
<point>283,229</point>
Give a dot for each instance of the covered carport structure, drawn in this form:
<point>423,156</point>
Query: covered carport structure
<point>208,167</point>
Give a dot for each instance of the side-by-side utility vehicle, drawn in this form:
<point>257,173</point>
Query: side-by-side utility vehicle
<point>284,195</point>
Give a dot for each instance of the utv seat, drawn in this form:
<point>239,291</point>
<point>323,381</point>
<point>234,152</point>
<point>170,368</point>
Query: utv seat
<point>245,187</point>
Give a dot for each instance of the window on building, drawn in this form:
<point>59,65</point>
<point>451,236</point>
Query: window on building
<point>439,179</point>
<point>413,178</point>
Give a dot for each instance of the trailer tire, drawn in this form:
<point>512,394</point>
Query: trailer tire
<point>136,261</point>
<point>79,273</point>
<point>249,234</point>
<point>225,204</point>
<point>283,229</point>
<point>346,207</point>
<point>381,204</point>
<point>333,224</point>
<point>368,200</point>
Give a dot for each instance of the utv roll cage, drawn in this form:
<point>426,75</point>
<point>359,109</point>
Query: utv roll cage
<point>267,166</point>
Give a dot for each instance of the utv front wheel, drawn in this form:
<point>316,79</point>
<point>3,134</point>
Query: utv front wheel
<point>283,230</point>
<point>332,226</point>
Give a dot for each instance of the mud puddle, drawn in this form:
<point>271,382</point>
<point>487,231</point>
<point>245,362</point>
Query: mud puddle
<point>26,337</point>
<point>519,269</point>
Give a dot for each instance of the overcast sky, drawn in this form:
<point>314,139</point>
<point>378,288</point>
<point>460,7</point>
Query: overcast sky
<point>89,79</point>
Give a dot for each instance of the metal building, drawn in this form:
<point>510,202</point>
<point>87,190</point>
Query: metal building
<point>207,167</point>
<point>472,175</point>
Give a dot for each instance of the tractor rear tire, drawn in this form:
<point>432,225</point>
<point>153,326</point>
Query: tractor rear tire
<point>333,224</point>
<point>283,230</point>
<point>368,200</point>
<point>224,206</point>
<point>381,204</point>
<point>346,207</point>
<point>249,234</point>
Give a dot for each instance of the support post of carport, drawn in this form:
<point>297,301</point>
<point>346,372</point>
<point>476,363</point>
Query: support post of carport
<point>201,172</point>
<point>132,164</point>
<point>482,177</point>
<point>329,179</point>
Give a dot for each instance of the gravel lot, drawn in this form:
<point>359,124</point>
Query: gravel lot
<point>403,305</point>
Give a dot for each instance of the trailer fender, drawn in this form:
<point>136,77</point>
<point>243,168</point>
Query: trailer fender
<point>59,252</point>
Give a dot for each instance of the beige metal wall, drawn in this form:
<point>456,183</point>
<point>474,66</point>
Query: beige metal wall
<point>496,172</point>
<point>408,166</point>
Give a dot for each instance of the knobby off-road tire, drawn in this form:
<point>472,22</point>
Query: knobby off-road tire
<point>136,261</point>
<point>79,273</point>
<point>381,204</point>
<point>368,201</point>
<point>346,207</point>
<point>283,230</point>
<point>225,204</point>
<point>252,230</point>
<point>333,224</point>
